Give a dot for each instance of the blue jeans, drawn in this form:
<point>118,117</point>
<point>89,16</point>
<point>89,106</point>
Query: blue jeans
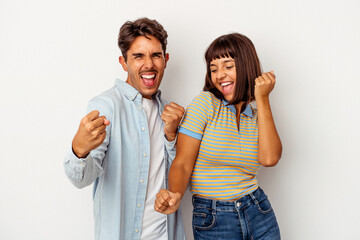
<point>248,218</point>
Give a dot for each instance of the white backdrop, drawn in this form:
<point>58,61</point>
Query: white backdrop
<point>57,55</point>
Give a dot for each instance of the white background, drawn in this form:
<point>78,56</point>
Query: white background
<point>57,55</point>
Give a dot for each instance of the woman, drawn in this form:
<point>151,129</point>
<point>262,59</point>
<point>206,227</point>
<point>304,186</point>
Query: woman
<point>222,143</point>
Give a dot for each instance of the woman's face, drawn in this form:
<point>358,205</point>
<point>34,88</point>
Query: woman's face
<point>223,76</point>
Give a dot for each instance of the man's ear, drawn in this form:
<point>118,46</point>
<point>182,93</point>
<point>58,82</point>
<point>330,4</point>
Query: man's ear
<point>123,63</point>
<point>166,59</point>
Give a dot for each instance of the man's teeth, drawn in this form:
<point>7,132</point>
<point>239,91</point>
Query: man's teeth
<point>225,84</point>
<point>148,76</point>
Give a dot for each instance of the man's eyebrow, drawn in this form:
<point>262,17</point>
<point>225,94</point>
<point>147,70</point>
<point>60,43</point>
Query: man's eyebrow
<point>157,53</point>
<point>137,54</point>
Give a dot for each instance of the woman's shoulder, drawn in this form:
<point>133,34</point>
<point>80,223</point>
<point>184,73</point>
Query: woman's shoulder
<point>207,97</point>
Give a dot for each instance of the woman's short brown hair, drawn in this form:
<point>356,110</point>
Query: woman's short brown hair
<point>247,64</point>
<point>141,27</point>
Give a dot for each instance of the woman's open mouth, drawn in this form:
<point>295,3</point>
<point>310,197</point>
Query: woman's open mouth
<point>227,87</point>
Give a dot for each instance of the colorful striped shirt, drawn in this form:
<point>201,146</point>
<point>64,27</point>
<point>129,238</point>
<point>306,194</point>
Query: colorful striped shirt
<point>227,163</point>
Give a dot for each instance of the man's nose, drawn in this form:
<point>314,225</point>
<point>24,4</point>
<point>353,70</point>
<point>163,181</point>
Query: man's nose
<point>148,63</point>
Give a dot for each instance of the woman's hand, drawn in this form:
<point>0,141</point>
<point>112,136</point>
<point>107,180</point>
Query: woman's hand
<point>270,147</point>
<point>264,84</point>
<point>167,202</point>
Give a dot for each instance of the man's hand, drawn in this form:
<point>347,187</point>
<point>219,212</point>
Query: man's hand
<point>172,116</point>
<point>90,135</point>
<point>264,84</point>
<point>167,202</point>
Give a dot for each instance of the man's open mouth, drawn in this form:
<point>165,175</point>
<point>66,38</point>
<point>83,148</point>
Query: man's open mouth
<point>148,79</point>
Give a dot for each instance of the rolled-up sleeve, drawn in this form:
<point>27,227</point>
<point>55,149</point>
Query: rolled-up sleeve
<point>83,171</point>
<point>170,148</point>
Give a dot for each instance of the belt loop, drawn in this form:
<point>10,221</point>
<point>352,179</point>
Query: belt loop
<point>213,202</point>
<point>253,198</point>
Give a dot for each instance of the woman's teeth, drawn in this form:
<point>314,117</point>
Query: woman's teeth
<point>225,84</point>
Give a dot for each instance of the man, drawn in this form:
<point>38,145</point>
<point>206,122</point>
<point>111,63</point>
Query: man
<point>127,141</point>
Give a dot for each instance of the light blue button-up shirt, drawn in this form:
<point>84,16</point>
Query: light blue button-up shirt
<point>119,167</point>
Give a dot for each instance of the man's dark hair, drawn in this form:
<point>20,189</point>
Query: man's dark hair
<point>247,64</point>
<point>141,27</point>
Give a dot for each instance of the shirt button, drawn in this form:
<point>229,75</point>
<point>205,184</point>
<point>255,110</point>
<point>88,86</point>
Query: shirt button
<point>139,205</point>
<point>136,230</point>
<point>145,154</point>
<point>143,128</point>
<point>141,181</point>
<point>140,107</point>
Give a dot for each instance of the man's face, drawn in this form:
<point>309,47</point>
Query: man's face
<point>145,65</point>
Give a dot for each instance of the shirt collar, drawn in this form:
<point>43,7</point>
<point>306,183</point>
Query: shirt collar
<point>247,111</point>
<point>130,92</point>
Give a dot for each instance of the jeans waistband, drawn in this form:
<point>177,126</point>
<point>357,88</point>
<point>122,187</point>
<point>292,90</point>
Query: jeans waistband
<point>253,197</point>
